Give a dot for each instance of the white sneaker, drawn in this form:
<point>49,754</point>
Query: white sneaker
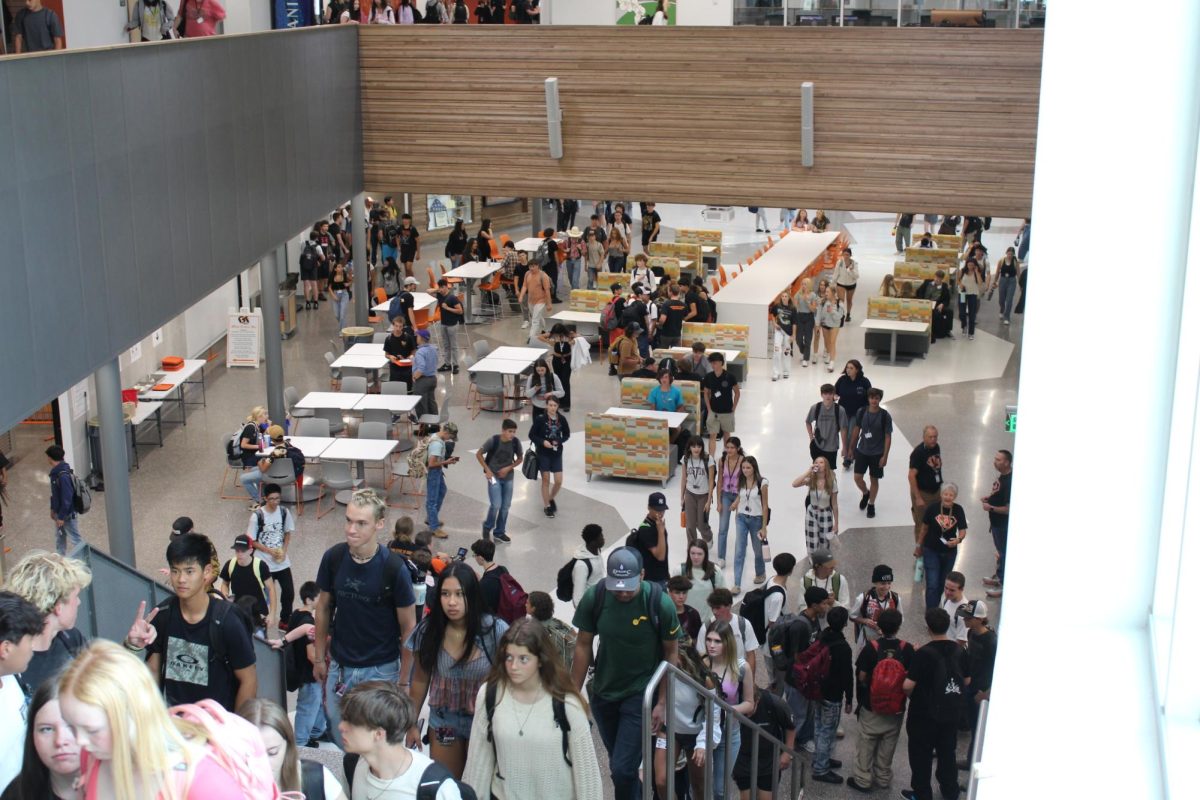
<point>829,367</point>
<point>827,358</point>
<point>786,376</point>
<point>971,337</point>
<point>804,363</point>
<point>1006,322</point>
<point>774,377</point>
<point>525,324</point>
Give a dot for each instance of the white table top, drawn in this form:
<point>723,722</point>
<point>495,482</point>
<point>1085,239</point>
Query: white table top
<point>361,362</point>
<point>511,353</point>
<point>474,270</point>
<point>674,418</point>
<point>341,400</point>
<point>776,270</point>
<point>190,367</point>
<point>578,316</point>
<point>365,349</point>
<point>359,449</point>
<point>503,366</point>
<point>532,243</point>
<point>685,263</point>
<point>421,301</point>
<point>682,352</point>
<point>145,409</point>
<point>708,249</point>
<point>396,403</point>
<point>900,326</point>
<point>311,446</point>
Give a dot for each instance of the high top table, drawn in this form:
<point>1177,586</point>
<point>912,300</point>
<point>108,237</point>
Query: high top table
<point>178,379</point>
<point>421,301</point>
<point>343,401</point>
<point>472,273</point>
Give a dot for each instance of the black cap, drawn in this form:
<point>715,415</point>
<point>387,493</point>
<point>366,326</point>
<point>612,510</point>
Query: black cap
<point>882,574</point>
<point>241,542</point>
<point>658,502</point>
<point>182,525</point>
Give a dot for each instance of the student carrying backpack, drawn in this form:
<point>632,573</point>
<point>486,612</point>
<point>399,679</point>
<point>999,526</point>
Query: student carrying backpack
<point>431,782</point>
<point>791,634</point>
<point>887,680</point>
<point>565,589</point>
<point>235,745</point>
<point>754,608</point>
<point>810,670</point>
<point>418,459</point>
<point>511,606</point>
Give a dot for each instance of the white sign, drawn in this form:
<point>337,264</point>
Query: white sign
<point>135,352</point>
<point>243,338</point>
<point>156,337</point>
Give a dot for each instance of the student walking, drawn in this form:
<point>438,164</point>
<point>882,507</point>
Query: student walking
<point>499,457</point>
<point>831,316</point>
<point>870,442</point>
<point>851,392</point>
<point>62,502</point>
<point>721,396</point>
<point>943,529</point>
<point>549,433</point>
<point>753,516</point>
<point>729,471</point>
<point>435,479</point>
<point>270,532</point>
<point>821,512</point>
<point>696,489</point>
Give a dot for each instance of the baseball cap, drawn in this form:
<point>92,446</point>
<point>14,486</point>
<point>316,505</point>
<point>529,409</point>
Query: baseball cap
<point>624,570</point>
<point>182,525</point>
<point>410,281</point>
<point>275,431</point>
<point>658,501</point>
<point>882,574</point>
<point>452,428</point>
<point>423,334</point>
<point>242,542</point>
<point>972,609</point>
<point>819,557</point>
<point>633,327</point>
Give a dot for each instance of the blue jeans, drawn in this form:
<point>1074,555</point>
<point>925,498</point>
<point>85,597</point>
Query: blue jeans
<point>1008,290</point>
<point>802,710</point>
<point>310,717</point>
<point>435,495</point>
<point>350,677</point>
<point>727,499</point>
<point>249,480</point>
<point>574,266</point>
<point>341,301</point>
<point>67,538</point>
<point>937,567</point>
<point>1000,539</point>
<point>972,308</point>
<point>828,715</point>
<point>747,526</point>
<point>726,750</point>
<point>619,723</point>
<point>499,499</point>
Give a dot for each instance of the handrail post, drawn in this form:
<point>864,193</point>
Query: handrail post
<point>709,724</point>
<point>648,731</point>
<point>977,750</point>
<point>669,717</point>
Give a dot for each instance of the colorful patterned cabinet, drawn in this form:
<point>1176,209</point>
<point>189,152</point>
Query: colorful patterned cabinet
<point>635,393</point>
<point>627,447</point>
<point>902,310</point>
<point>588,299</point>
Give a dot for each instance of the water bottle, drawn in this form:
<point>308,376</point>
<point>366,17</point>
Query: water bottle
<point>919,570</point>
<point>766,550</point>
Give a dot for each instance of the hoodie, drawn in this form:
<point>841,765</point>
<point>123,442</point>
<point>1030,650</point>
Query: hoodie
<point>581,579</point>
<point>62,491</point>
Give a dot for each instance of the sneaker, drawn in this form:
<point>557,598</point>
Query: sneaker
<point>827,777</point>
<point>548,511</point>
<point>870,510</point>
<point>828,366</point>
<point>760,578</point>
<point>841,734</point>
<point>774,378</point>
<point>856,786</point>
<point>735,590</point>
<point>786,376</point>
<point>992,581</point>
<point>554,506</point>
<point>454,370</point>
<point>720,562</point>
<point>971,337</point>
<point>994,593</point>
<point>525,324</point>
<point>835,763</point>
<point>440,532</point>
<point>827,358</point>
<point>804,363</point>
<point>866,500</point>
<point>809,747</point>
<point>501,537</point>
<point>1006,322</point>
<point>444,368</point>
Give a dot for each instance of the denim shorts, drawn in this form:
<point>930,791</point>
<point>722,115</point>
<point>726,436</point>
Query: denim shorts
<point>447,727</point>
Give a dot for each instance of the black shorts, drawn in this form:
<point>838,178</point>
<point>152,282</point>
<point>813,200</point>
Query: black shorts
<point>323,271</point>
<point>308,274</point>
<point>862,463</point>
<point>849,288</point>
<point>815,452</point>
<point>743,780</point>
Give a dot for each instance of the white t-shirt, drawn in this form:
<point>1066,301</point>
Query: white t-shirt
<point>12,734</point>
<point>696,473</point>
<point>866,634</point>
<point>958,628</point>
<point>750,500</point>
<point>402,787</point>
<point>333,787</point>
<point>739,624</point>
<point>275,526</point>
<point>775,602</point>
<point>841,597</point>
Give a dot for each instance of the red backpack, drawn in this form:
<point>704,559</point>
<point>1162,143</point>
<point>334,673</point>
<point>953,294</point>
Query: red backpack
<point>512,599</point>
<point>887,681</point>
<point>810,670</point>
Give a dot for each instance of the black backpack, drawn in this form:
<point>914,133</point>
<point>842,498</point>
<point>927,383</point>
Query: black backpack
<point>431,779</point>
<point>791,634</point>
<point>754,608</point>
<point>308,257</point>
<point>560,719</point>
<point>542,256</point>
<point>947,689</point>
<point>432,16</point>
<point>566,579</point>
<point>312,779</point>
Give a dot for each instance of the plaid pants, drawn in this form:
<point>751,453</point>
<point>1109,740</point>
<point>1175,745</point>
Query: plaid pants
<point>818,528</point>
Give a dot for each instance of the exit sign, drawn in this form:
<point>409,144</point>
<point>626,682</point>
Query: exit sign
<point>1010,419</point>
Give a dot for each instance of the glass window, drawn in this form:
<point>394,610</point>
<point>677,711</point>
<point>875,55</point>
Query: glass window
<point>443,209</point>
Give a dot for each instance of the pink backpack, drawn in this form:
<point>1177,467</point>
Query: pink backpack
<point>236,746</point>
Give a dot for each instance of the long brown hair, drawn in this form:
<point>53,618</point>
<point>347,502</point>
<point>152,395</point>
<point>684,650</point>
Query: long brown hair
<point>532,635</point>
<point>742,483</point>
<point>267,714</point>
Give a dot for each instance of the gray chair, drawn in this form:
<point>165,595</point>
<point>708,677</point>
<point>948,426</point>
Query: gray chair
<point>375,415</point>
<point>393,387</point>
<point>336,478</point>
<point>231,465</point>
<point>482,348</point>
<point>311,426</point>
<point>354,384</point>
<point>440,418</point>
<point>374,430</point>
<point>290,398</point>
<point>335,375</point>
<point>380,337</point>
<point>485,385</point>
<point>337,424</point>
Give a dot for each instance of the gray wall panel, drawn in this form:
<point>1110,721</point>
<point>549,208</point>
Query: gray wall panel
<point>136,180</point>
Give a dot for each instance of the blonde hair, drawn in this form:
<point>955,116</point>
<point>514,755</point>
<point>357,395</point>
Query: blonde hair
<point>255,413</point>
<point>369,498</point>
<point>888,287</point>
<point>47,579</point>
<point>147,743</point>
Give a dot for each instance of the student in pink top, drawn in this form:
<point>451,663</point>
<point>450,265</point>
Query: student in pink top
<point>199,17</point>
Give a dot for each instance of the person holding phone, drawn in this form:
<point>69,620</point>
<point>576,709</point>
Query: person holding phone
<point>435,481</point>
<point>549,433</point>
<point>499,457</point>
<point>821,507</point>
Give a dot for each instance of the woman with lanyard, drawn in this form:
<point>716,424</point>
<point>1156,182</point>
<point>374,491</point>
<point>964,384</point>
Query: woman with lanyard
<point>783,323</point>
<point>518,749</point>
<point>549,433</point>
<point>542,385</point>
<point>729,469</point>
<point>851,390</point>
<point>1006,279</point>
<point>560,340</point>
<point>845,278</point>
<point>831,316</point>
<point>734,683</point>
<point>821,508</point>
<point>971,282</point>
<point>806,319</point>
<point>943,529</point>
<point>696,490</point>
<point>752,509</point>
<point>339,284</point>
<point>454,646</point>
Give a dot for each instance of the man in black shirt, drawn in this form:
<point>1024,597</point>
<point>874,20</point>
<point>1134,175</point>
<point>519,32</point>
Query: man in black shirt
<point>399,347</point>
<point>996,505</point>
<point>452,316</point>
<point>648,370</point>
<point>903,225</point>
<point>981,661</point>
<point>721,396</point>
<point>651,222</point>
<point>246,575</point>
<point>924,476</point>
<point>408,244</point>
<point>650,540</point>
<point>935,690</point>
<point>670,319</point>
<point>484,551</point>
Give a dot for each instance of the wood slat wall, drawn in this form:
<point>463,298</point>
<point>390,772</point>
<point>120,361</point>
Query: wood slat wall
<point>922,119</point>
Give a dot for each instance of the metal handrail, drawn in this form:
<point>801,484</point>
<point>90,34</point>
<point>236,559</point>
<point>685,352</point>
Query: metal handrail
<point>649,695</point>
<point>977,751</point>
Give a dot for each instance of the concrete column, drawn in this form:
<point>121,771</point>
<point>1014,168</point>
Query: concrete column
<point>272,341</point>
<point>114,458</point>
<point>362,265</point>
<point>538,215</point>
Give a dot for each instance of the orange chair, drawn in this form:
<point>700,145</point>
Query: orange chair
<point>451,279</point>
<point>380,297</point>
<point>770,242</point>
<point>494,250</point>
<point>493,285</point>
<point>716,286</point>
<point>432,279</point>
<point>724,275</point>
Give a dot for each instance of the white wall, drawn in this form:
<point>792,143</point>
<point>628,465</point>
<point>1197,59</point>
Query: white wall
<point>704,12</point>
<point>246,16</point>
<point>579,12</point>
<point>95,23</point>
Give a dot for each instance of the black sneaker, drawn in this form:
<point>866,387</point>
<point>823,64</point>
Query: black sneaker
<point>835,763</point>
<point>549,511</point>
<point>870,509</point>
<point>554,506</point>
<point>827,777</point>
<point>856,786</point>
<point>444,368</point>
<point>501,537</point>
<point>454,370</point>
<point>866,500</point>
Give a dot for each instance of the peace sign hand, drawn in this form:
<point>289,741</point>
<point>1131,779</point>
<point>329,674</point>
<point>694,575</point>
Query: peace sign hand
<point>142,633</point>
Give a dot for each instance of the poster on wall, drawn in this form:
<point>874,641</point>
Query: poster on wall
<point>641,12</point>
<point>243,337</point>
<point>292,14</point>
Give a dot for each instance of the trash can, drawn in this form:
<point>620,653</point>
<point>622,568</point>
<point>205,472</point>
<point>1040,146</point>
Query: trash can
<point>287,313</point>
<point>356,334</point>
<point>93,436</point>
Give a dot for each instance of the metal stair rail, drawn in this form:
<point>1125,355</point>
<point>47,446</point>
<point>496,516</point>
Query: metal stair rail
<point>673,674</point>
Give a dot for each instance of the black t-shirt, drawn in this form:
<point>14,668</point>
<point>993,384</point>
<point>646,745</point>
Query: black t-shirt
<point>250,456</point>
<point>942,524</point>
<point>649,221</point>
<point>191,669</point>
<point>773,717</point>
<point>551,254</point>
<point>674,310</point>
<point>244,583</point>
<point>483,14</point>
<point>406,242</point>
<point>451,308</point>
<point>304,667</point>
<point>981,659</point>
<point>1001,491</point>
<point>646,537</point>
<point>366,632</point>
<point>927,670</point>
<point>634,312</point>
<point>869,656</point>
<point>720,391</point>
<point>784,316</point>
<point>456,243</point>
<point>693,299</point>
<point>927,461</point>
<point>905,221</point>
<point>489,587</point>
<point>403,303</point>
<point>47,664</point>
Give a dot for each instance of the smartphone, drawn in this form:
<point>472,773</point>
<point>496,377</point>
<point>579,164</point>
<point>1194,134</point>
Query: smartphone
<point>461,555</point>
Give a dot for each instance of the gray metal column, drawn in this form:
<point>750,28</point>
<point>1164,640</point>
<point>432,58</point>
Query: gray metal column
<point>114,458</point>
<point>272,347</point>
<point>538,216</point>
<point>362,264</point>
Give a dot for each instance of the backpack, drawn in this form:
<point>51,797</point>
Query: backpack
<point>655,604</point>
<point>892,600</point>
<point>947,693</point>
<point>391,568</point>
<point>312,779</point>
<point>418,459</point>
<point>754,608</point>
<point>542,256</point>
<point>431,779</point>
<point>564,637</point>
<point>432,16</point>
<point>235,745</point>
<point>81,503</point>
<point>810,669</point>
<point>861,417</point>
<point>608,317</point>
<point>560,719</point>
<point>887,681</point>
<point>566,579</point>
<point>233,447</point>
<point>308,257</point>
<point>511,606</point>
<point>836,584</point>
<point>790,634</point>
